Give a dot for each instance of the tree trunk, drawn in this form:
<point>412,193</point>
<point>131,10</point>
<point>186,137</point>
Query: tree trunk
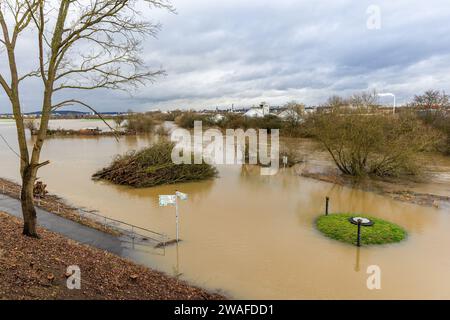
<point>28,210</point>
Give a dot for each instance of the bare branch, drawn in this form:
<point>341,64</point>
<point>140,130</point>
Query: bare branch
<point>36,73</point>
<point>5,86</point>
<point>40,165</point>
<point>83,44</point>
<point>74,101</point>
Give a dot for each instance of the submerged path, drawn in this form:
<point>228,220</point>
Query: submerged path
<point>65,227</point>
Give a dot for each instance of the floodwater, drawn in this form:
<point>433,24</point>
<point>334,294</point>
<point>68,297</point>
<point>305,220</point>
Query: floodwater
<point>253,236</point>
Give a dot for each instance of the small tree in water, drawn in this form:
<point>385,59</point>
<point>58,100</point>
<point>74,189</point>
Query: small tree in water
<point>362,141</point>
<point>82,45</point>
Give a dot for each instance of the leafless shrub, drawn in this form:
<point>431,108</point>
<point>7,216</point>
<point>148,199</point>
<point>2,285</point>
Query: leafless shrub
<point>364,142</point>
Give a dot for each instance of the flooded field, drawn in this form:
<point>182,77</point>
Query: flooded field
<point>253,236</point>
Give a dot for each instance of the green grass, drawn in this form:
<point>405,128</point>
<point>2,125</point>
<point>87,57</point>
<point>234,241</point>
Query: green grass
<point>337,227</point>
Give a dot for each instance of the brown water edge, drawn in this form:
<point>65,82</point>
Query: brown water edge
<point>37,269</point>
<point>56,205</point>
<point>432,184</point>
<point>254,236</point>
<point>389,188</point>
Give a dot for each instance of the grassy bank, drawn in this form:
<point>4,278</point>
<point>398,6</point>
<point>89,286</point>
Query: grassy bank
<point>36,269</point>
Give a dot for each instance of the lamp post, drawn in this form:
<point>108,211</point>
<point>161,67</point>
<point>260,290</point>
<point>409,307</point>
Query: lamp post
<point>388,94</point>
<point>360,222</point>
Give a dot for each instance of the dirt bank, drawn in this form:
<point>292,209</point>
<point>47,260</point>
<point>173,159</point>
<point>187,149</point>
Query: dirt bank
<point>37,269</point>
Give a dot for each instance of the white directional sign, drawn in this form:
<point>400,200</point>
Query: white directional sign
<point>171,200</point>
<point>167,200</point>
<point>181,195</point>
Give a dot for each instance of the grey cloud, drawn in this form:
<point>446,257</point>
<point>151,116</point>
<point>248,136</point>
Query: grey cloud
<point>242,52</point>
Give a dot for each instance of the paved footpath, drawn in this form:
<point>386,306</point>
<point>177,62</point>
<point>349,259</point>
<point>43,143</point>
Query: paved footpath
<point>65,227</point>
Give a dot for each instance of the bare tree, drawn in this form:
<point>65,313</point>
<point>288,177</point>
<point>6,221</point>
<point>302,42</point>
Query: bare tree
<point>336,101</point>
<point>365,99</point>
<point>82,45</point>
<point>32,125</point>
<point>295,112</point>
<point>118,120</point>
<point>432,99</point>
<point>374,144</point>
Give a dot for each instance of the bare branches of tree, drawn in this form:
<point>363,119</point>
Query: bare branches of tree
<point>82,45</point>
<point>432,99</point>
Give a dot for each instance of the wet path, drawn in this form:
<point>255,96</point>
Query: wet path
<point>65,227</point>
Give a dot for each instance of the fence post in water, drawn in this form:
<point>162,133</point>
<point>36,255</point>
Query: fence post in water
<point>326,205</point>
<point>358,240</point>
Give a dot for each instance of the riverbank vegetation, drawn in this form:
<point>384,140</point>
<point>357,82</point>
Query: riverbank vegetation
<point>140,123</point>
<point>362,142</point>
<point>338,227</point>
<point>433,108</point>
<point>83,132</point>
<point>151,167</point>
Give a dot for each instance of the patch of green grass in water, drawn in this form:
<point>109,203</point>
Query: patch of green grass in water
<point>338,227</point>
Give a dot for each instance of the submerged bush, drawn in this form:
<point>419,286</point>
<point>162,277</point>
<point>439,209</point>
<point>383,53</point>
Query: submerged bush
<point>365,142</point>
<point>187,119</point>
<point>439,119</point>
<point>239,121</point>
<point>151,167</point>
<point>140,123</point>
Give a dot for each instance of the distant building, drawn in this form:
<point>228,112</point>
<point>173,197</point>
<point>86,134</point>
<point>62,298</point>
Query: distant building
<point>217,118</point>
<point>289,114</point>
<point>309,110</point>
<point>258,112</point>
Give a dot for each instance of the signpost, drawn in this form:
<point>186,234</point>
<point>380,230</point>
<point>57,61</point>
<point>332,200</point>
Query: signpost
<point>172,200</point>
<point>167,200</point>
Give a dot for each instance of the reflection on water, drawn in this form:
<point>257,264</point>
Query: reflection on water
<point>250,235</point>
<point>176,270</point>
<point>358,258</point>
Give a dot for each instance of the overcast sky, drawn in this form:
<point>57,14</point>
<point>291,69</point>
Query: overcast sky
<point>227,52</point>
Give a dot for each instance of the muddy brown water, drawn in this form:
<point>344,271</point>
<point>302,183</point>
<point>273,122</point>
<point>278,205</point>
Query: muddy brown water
<point>253,236</point>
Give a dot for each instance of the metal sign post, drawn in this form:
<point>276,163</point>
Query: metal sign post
<point>172,200</point>
<point>177,220</point>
